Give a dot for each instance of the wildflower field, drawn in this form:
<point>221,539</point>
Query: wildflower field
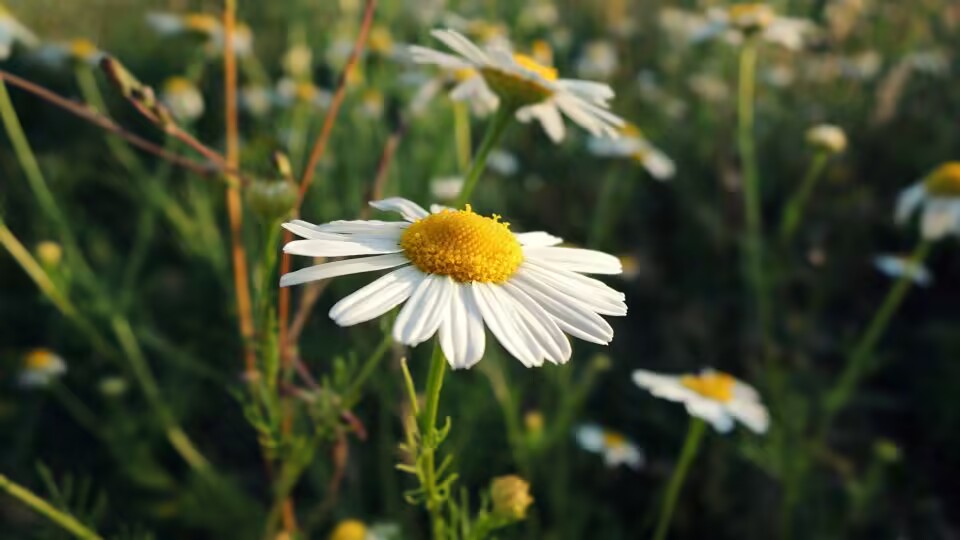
<point>383,270</point>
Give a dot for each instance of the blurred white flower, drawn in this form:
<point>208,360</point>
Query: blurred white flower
<point>538,14</point>
<point>532,88</point>
<point>58,54</point>
<point>598,60</point>
<point>456,273</point>
<point>289,92</point>
<point>633,145</point>
<point>372,103</point>
<point>502,162</point>
<point>616,448</point>
<point>711,395</point>
<point>709,87</point>
<point>13,31</point>
<point>298,61</point>
<point>827,138</point>
<point>741,20</point>
<point>205,26</point>
<point>256,100</point>
<point>932,62</point>
<point>937,197</point>
<point>183,98</point>
<point>446,188</point>
<point>897,266</point>
<point>40,368</point>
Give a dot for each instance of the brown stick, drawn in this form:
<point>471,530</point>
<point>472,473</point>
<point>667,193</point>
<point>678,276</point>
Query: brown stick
<point>213,167</point>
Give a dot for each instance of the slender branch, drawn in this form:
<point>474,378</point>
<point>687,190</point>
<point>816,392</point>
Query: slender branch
<point>85,112</point>
<point>687,453</point>
<point>64,520</point>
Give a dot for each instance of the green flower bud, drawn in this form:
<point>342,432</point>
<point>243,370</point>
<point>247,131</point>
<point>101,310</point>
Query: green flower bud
<point>511,497</point>
<point>272,199</point>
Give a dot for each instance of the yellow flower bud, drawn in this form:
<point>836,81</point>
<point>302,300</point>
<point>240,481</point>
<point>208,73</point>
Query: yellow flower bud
<point>534,421</point>
<point>511,497</point>
<point>49,253</point>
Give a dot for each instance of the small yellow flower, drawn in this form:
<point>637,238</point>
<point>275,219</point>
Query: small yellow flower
<point>380,41</point>
<point>49,253</point>
<point>40,367</point>
<point>83,50</point>
<point>183,98</point>
<point>349,529</point>
<point>511,497</point>
<point>533,420</point>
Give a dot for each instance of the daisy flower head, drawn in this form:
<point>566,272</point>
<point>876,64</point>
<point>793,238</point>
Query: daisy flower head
<point>827,138</point>
<point>458,272</point>
<point>898,266</point>
<point>534,90</point>
<point>714,396</point>
<point>13,31</point>
<point>204,26</point>
<point>633,145</point>
<point>183,98</point>
<point>615,447</point>
<point>741,21</point>
<point>81,51</point>
<point>41,367</point>
<point>937,197</point>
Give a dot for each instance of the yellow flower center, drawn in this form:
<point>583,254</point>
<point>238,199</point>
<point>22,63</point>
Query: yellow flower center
<point>350,529</point>
<point>201,22</point>
<point>718,386</point>
<point>178,85</point>
<point>945,180</point>
<point>39,359</point>
<point>518,88</point>
<point>82,49</point>
<point>754,16</point>
<point>631,130</point>
<point>463,245</point>
<point>612,439</point>
<point>463,74</point>
<point>530,64</point>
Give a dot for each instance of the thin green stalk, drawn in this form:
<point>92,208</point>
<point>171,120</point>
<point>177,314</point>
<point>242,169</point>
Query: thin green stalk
<point>461,128</point>
<point>352,395</point>
<point>687,453</point>
<point>91,94</point>
<point>495,131</point>
<point>753,236</point>
<point>857,364</point>
<point>601,214</point>
<point>797,203</point>
<point>64,520</point>
<point>144,376</point>
<point>428,428</point>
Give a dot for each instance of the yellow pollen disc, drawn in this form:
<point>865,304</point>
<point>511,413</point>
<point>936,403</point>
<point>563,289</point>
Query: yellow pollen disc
<point>528,63</point>
<point>39,359</point>
<point>463,74</point>
<point>631,130</point>
<point>751,16</point>
<point>945,180</point>
<point>519,88</point>
<point>463,245</point>
<point>177,85</point>
<point>612,439</point>
<point>718,386</point>
<point>201,22</point>
<point>82,48</point>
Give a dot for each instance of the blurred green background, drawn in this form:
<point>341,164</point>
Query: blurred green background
<point>885,71</point>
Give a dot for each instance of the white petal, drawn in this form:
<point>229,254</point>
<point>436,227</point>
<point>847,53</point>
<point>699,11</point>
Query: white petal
<point>462,334</point>
<point>937,218</point>
<point>342,248</point>
<point>909,200</point>
<point>423,55</point>
<point>376,298</point>
<point>590,437</point>
<point>663,386</point>
<point>462,45</point>
<point>594,294</point>
<point>549,117</point>
<point>423,312</point>
<point>593,118</point>
<point>371,227</point>
<point>575,260</point>
<point>500,319</point>
<point>410,210</point>
<point>751,414</point>
<point>711,411</point>
<point>309,230</point>
<point>571,316</point>
<point>342,268</point>
<point>546,332</point>
<point>537,238</point>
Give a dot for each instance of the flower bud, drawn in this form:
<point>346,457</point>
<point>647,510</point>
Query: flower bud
<point>827,138</point>
<point>511,497</point>
<point>49,253</point>
<point>533,420</point>
<point>271,199</point>
<point>349,529</point>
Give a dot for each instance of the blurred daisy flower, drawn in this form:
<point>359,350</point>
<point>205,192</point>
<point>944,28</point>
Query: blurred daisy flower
<point>354,529</point>
<point>297,61</point>
<point>459,272</point>
<point>256,99</point>
<point>290,92</point>
<point>204,26</point>
<point>446,188</point>
<point>502,162</point>
<point>598,60</point>
<point>13,31</point>
<point>183,98</point>
<point>372,103</point>
<point>78,50</point>
<point>380,40</point>
<point>615,447</point>
<point>633,145</point>
<point>466,87</point>
<point>937,197</point>
<point>897,266</point>
<point>713,396</point>
<point>827,138</point>
<point>40,368</point>
<point>739,21</point>
<point>533,89</point>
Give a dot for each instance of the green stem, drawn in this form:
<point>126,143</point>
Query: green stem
<point>91,94</point>
<point>753,236</point>
<point>27,497</point>
<point>352,395</point>
<point>857,365</point>
<point>687,453</point>
<point>601,215</point>
<point>461,128</point>
<point>495,131</point>
<point>794,211</point>
<point>428,428</point>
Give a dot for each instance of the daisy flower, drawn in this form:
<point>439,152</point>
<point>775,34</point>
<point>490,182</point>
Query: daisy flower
<point>896,266</point>
<point>13,31</point>
<point>459,272</point>
<point>40,368</point>
<point>446,188</point>
<point>183,98</point>
<point>79,50</point>
<point>713,396</point>
<point>616,448</point>
<point>533,89</point>
<point>937,197</point>
<point>741,20</point>
<point>465,86</point>
<point>203,25</point>
<point>827,138</point>
<point>632,144</point>
<point>598,60</point>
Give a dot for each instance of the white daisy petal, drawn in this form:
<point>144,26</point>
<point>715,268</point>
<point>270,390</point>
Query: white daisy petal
<point>423,55</point>
<point>571,316</point>
<point>462,334</point>
<point>549,117</point>
<point>367,227</point>
<point>712,412</point>
<point>462,46</point>
<point>308,230</point>
<point>342,248</point>
<point>595,294</point>
<point>342,268</point>
<point>751,414</point>
<point>937,218</point>
<point>376,298</point>
<point>586,261</point>
<point>537,239</point>
<point>599,93</point>
<point>548,334</point>
<point>499,318</point>
<point>423,312</point>
<point>410,210</point>
<point>590,437</point>
<point>909,200</point>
